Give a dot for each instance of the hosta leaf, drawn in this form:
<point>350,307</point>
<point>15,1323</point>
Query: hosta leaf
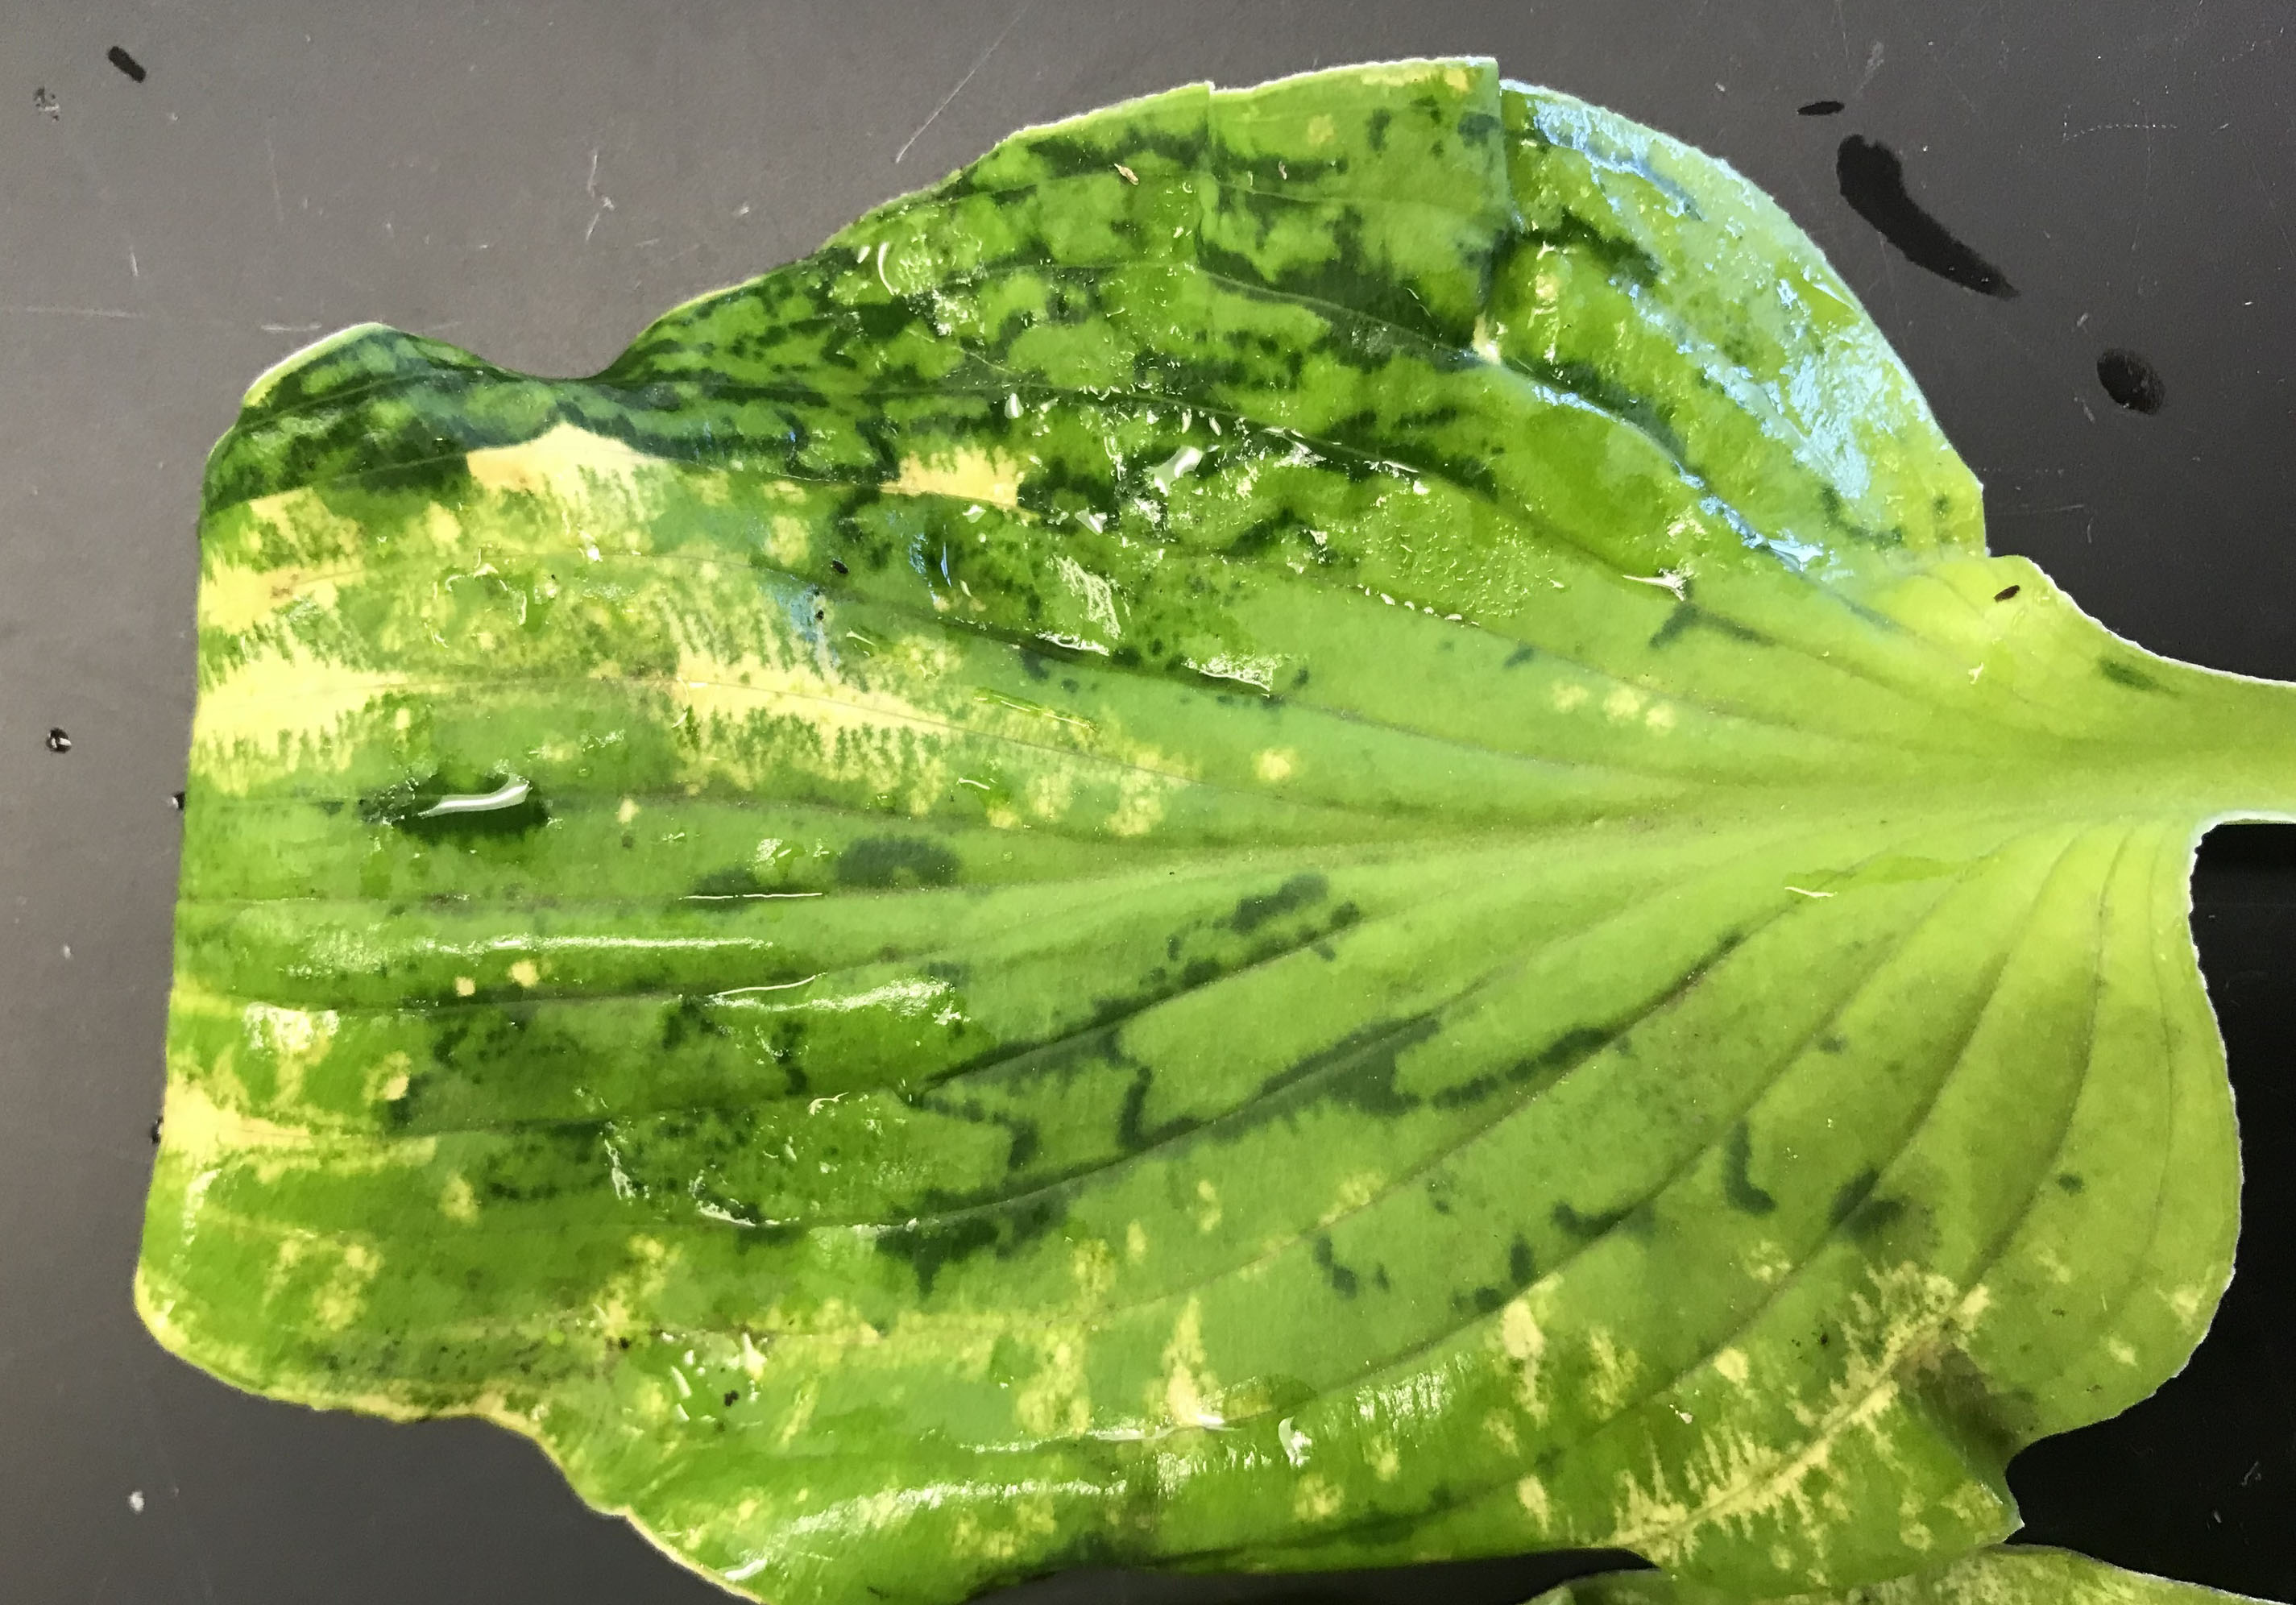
<point>1989,1576</point>
<point>1300,829</point>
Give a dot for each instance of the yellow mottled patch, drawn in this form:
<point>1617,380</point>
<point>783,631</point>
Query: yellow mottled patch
<point>234,599</point>
<point>338,1302</point>
<point>1380,1454</point>
<point>1615,1369</point>
<point>1188,1386</point>
<point>277,700</point>
<point>1094,1266</point>
<point>1274,764</point>
<point>1568,696</point>
<point>525,973</point>
<point>1499,1428</point>
<point>1321,130</point>
<point>966,475</point>
<point>875,736</point>
<point>1661,717</point>
<point>1208,1205</point>
<point>789,540</point>
<point>1315,1498</point>
<point>1354,1192</point>
<point>1902,1317</point>
<point>466,986</point>
<point>627,812</point>
<point>1056,1400</point>
<point>800,1415</point>
<point>458,1202</point>
<point>198,1131</point>
<point>1522,1341</point>
<point>1624,703</point>
<point>2121,1352</point>
<point>1135,1243</point>
<point>292,1039</point>
<point>1531,1494</point>
<point>562,462</point>
<point>390,1078</point>
<point>1139,802</point>
<point>1731,1365</point>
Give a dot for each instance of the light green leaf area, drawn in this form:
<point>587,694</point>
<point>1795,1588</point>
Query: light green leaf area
<point>1298,829</point>
<point>1990,1577</point>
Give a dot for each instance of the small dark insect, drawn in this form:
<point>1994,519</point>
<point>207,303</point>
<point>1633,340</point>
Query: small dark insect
<point>731,1396</point>
<point>1819,108</point>
<point>2005,592</point>
<point>156,1119</point>
<point>177,799</point>
<point>839,567</point>
<point>58,741</point>
<point>42,100</point>
<point>2130,380</point>
<point>126,64</point>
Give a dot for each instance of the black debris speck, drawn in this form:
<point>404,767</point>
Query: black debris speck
<point>1820,108</point>
<point>2005,592</point>
<point>126,64</point>
<point>58,741</point>
<point>2130,380</point>
<point>43,100</point>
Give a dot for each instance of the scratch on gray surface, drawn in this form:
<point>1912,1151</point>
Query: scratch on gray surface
<point>1873,65</point>
<point>935,115</point>
<point>271,158</point>
<point>2071,132</point>
<point>73,311</point>
<point>605,203</point>
<point>127,315</point>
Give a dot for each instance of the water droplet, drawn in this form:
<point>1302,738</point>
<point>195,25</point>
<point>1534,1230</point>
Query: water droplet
<point>58,741</point>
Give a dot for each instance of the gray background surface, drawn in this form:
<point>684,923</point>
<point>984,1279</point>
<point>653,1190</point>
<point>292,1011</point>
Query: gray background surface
<point>536,181</point>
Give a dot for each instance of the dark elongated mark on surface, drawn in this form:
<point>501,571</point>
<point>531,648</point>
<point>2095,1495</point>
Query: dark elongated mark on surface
<point>1819,108</point>
<point>126,64</point>
<point>2006,592</point>
<point>1873,182</point>
<point>2130,380</point>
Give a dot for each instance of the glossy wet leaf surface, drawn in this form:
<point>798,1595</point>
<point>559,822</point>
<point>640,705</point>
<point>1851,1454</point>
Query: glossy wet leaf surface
<point>1299,829</point>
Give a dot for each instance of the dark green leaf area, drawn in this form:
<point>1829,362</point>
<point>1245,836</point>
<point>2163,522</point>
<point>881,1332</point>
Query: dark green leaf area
<point>1298,828</point>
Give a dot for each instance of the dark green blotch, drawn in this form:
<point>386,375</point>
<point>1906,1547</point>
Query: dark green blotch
<point>1737,1184</point>
<point>886,862</point>
<point>1852,1194</point>
<point>2128,674</point>
<point>1344,1282</point>
<point>2070,1181</point>
<point>1298,893</point>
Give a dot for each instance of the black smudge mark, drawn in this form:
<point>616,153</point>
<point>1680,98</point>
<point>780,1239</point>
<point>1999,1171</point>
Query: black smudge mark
<point>2130,380</point>
<point>1873,182</point>
<point>1819,108</point>
<point>126,64</point>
